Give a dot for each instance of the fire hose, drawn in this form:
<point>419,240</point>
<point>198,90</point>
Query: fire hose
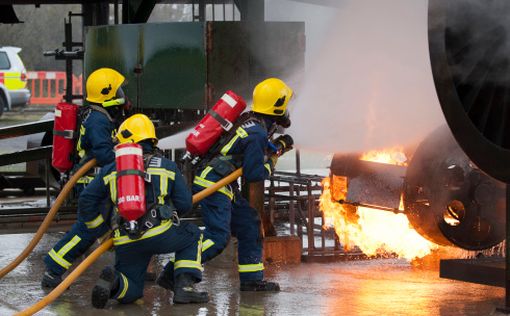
<point>49,217</point>
<point>53,295</point>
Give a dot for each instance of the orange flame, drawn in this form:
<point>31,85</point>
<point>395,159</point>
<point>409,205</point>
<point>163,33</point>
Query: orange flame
<point>393,156</point>
<point>374,232</point>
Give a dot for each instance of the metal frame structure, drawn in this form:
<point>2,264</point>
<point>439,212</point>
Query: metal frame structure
<point>32,154</point>
<point>294,198</point>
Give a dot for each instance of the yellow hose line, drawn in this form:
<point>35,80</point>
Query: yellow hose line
<point>53,295</point>
<point>49,217</point>
<point>215,187</point>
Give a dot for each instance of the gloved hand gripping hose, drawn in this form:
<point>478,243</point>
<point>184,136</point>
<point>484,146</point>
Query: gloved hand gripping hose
<point>49,217</point>
<point>280,146</point>
<point>283,144</point>
<point>53,295</point>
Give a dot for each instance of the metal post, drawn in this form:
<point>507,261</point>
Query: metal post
<point>337,241</point>
<point>292,211</point>
<point>47,179</point>
<point>201,10</point>
<point>252,10</point>
<point>213,10</point>
<point>323,233</point>
<point>68,47</point>
<point>311,221</point>
<point>272,201</point>
<point>298,163</point>
<point>299,226</point>
<point>126,12</point>
<point>116,13</point>
<point>300,210</point>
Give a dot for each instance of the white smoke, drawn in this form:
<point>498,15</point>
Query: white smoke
<point>175,141</point>
<point>370,84</point>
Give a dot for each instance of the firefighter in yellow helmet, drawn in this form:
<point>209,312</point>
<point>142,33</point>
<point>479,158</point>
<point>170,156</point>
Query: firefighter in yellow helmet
<point>167,197</point>
<point>103,114</point>
<point>227,212</point>
<point>271,97</point>
<point>100,118</point>
<point>137,128</point>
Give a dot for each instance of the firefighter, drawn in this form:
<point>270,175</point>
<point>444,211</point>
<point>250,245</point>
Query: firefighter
<point>167,197</point>
<point>102,116</point>
<point>106,103</point>
<point>226,212</point>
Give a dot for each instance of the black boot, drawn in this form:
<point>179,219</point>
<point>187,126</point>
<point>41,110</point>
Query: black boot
<point>166,280</point>
<point>105,287</point>
<point>50,280</point>
<point>260,285</point>
<point>184,292</point>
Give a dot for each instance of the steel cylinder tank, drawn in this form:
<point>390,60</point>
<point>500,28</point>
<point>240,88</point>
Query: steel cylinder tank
<point>450,201</point>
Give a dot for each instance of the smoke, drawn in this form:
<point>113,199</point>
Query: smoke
<point>370,83</point>
<point>175,141</point>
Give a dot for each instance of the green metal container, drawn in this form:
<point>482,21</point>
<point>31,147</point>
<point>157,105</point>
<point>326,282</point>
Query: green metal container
<point>189,65</point>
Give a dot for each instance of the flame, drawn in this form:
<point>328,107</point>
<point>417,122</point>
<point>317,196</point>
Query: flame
<point>393,156</point>
<point>374,232</point>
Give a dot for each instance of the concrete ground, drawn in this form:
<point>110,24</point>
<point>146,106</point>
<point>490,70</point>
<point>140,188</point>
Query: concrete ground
<point>368,287</point>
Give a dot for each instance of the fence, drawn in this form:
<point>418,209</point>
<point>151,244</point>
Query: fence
<point>48,87</point>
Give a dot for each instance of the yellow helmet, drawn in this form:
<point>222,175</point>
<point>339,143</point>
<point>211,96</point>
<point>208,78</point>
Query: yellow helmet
<point>136,128</point>
<point>103,87</point>
<point>271,97</point>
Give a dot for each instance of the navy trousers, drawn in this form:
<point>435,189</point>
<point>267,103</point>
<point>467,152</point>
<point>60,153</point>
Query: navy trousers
<point>132,258</point>
<point>224,217</point>
<point>77,241</point>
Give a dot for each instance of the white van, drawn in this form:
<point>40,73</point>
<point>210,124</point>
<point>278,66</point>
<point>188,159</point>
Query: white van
<point>13,79</point>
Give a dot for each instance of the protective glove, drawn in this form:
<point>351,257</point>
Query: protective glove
<point>283,144</point>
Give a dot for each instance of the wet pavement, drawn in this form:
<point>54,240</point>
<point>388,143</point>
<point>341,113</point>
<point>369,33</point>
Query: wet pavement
<point>369,287</point>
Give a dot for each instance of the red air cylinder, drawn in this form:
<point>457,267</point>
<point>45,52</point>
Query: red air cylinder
<point>130,181</point>
<point>64,130</point>
<point>219,119</point>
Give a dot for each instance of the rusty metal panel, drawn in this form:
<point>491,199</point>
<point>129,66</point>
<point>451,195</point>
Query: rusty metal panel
<point>227,60</point>
<point>239,55</point>
<point>380,184</point>
<point>370,182</point>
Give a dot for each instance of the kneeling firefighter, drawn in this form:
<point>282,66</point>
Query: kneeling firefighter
<point>99,121</point>
<point>149,194</point>
<point>226,212</point>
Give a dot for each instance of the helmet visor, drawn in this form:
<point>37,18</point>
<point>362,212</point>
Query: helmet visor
<point>118,99</point>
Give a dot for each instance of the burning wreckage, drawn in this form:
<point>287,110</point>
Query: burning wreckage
<point>411,202</point>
